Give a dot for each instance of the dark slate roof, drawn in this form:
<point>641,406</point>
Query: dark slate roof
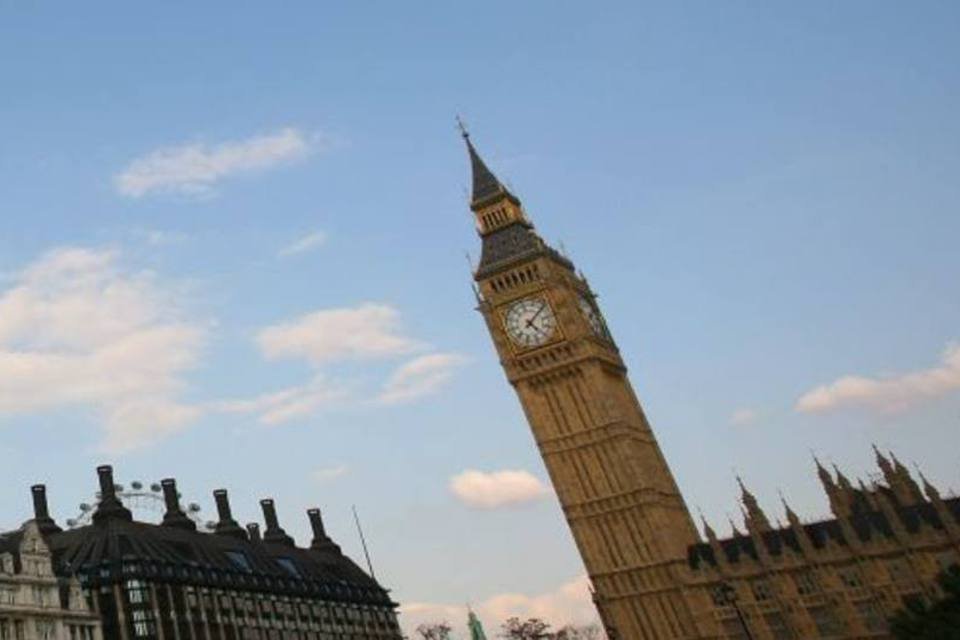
<point>513,243</point>
<point>118,549</point>
<point>866,523</point>
<point>485,184</point>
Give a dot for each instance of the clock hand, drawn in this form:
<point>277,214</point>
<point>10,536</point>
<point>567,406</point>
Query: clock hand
<point>534,316</point>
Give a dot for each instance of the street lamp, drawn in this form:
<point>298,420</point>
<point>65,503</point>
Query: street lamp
<point>728,596</point>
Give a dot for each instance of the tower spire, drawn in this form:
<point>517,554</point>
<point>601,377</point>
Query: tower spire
<point>486,186</point>
<point>755,516</point>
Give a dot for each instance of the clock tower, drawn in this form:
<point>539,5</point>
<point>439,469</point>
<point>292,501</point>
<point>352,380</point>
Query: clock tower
<point>620,500</point>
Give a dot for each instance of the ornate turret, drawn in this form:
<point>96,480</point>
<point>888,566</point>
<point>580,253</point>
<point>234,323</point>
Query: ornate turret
<point>754,518</point>
<point>884,464</point>
<point>797,527</point>
<point>943,512</point>
<point>475,626</point>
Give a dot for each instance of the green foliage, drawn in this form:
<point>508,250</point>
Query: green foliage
<point>940,621</point>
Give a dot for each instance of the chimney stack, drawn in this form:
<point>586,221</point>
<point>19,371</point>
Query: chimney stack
<point>41,512</point>
<point>174,517</point>
<point>253,530</point>
<point>321,541</point>
<point>109,506</point>
<point>226,526</point>
<point>273,533</point>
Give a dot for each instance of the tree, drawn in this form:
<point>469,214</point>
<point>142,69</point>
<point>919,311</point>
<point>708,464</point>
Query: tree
<point>530,629</point>
<point>434,631</point>
<point>939,621</point>
<point>571,632</point>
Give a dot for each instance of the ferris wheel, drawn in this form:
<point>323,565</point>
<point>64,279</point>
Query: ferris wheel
<point>144,501</point>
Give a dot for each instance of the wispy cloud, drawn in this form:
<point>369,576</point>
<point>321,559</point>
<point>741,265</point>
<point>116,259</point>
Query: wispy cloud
<point>278,407</point>
<point>496,489</point>
<point>368,331</point>
<point>568,604</point>
<point>886,394</point>
<point>303,244</point>
<point>329,473</point>
<point>744,416</point>
<point>194,169</point>
<point>419,377</point>
<point>78,329</point>
<point>370,334</point>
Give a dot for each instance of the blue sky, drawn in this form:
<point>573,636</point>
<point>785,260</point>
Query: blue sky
<point>204,207</point>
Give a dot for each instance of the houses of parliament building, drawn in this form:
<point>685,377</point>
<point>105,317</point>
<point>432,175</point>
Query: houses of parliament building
<point>653,575</point>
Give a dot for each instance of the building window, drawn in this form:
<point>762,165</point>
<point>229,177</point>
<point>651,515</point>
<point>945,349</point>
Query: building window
<point>289,566</point>
<point>137,591</point>
<point>733,629</point>
<point>899,570</point>
<point>826,621</point>
<point>44,630</point>
<point>850,576</point>
<point>143,626</point>
<point>240,560</point>
<point>778,626</point>
<point>806,583</point>
<point>761,590</point>
<point>872,616</point>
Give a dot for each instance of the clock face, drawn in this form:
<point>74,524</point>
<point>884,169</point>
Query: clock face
<point>592,315</point>
<point>530,322</point>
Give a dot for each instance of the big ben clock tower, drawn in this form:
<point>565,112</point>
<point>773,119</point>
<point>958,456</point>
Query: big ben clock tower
<point>623,506</point>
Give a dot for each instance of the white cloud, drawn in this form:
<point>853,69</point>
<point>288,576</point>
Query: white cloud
<point>329,473</point>
<point>278,407</point>
<point>744,416</point>
<point>193,169</point>
<point>496,489</point>
<point>421,376</point>
<point>887,394</point>
<point>78,330</point>
<point>570,603</point>
<point>367,331</point>
<point>370,333</point>
<point>303,244</point>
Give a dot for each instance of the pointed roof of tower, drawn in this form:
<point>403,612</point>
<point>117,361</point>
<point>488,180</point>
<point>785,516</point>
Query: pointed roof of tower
<point>707,529</point>
<point>792,517</point>
<point>485,184</point>
<point>754,515</point>
<point>823,474</point>
<point>882,462</point>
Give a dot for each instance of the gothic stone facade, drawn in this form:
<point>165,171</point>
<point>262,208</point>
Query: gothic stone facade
<point>653,577</point>
<point>837,578</point>
<point>169,581</point>
<point>35,604</point>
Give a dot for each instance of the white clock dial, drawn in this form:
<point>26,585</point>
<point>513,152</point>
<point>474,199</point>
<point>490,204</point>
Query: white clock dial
<point>592,315</point>
<point>530,322</point>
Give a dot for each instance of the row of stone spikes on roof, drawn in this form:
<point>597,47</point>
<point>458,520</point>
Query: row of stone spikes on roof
<point>111,507</point>
<point>840,492</point>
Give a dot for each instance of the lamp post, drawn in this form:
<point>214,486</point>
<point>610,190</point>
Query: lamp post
<point>728,596</point>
